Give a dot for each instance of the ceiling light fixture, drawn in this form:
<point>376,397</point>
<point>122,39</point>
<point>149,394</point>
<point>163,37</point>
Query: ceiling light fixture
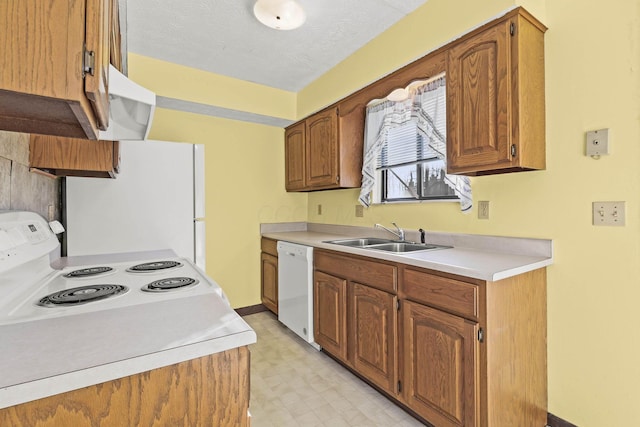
<point>279,14</point>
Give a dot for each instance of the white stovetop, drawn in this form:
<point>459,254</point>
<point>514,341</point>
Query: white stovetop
<point>51,354</point>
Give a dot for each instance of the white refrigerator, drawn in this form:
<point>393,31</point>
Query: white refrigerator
<point>156,202</point>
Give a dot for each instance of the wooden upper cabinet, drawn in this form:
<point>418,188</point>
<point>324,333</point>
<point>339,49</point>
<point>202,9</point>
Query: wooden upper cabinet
<point>59,156</point>
<point>495,98</point>
<point>294,148</point>
<point>98,42</point>
<point>42,78</point>
<point>324,151</point>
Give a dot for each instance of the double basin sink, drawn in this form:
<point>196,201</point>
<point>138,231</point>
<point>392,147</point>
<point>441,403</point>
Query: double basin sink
<point>387,245</point>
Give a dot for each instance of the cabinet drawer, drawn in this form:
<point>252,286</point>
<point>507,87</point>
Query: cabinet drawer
<point>373,273</point>
<point>269,246</point>
<point>448,294</point>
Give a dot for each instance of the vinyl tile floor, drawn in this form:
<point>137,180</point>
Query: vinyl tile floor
<point>292,385</point>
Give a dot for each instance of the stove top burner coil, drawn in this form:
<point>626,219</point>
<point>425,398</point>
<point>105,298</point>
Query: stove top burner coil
<point>170,284</point>
<point>81,295</point>
<point>154,266</point>
<point>88,272</point>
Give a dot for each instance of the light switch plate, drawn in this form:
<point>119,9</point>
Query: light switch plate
<point>359,211</point>
<point>609,213</point>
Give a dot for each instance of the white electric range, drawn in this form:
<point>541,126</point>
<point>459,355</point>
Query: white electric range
<point>98,318</point>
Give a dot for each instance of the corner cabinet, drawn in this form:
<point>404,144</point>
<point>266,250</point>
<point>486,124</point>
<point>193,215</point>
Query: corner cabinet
<point>269,274</point>
<point>324,151</point>
<point>55,57</point>
<point>495,98</point>
<point>456,351</point>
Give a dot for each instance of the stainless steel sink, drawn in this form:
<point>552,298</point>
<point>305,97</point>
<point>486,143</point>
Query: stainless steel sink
<point>359,242</point>
<point>386,245</point>
<point>402,247</point>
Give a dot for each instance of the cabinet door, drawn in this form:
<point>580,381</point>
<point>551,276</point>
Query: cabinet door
<point>269,276</point>
<point>330,314</point>
<point>96,81</point>
<point>440,366</point>
<point>294,162</point>
<point>322,149</point>
<point>479,120</point>
<point>372,335</point>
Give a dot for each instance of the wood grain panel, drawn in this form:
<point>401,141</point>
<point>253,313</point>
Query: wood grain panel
<point>440,366</point>
<point>451,295</point>
<point>295,157</point>
<point>269,246</point>
<point>269,280</point>
<point>375,273</point>
<point>209,391</point>
<point>322,149</point>
<point>516,334</point>
<point>351,134</point>
<point>372,335</point>
<point>97,41</point>
<point>330,314</point>
<point>72,156</point>
<point>478,101</point>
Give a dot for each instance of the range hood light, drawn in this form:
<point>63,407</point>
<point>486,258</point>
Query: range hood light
<point>131,109</point>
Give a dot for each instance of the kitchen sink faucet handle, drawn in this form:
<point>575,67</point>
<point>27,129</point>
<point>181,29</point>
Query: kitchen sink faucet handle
<point>422,235</point>
<point>400,231</point>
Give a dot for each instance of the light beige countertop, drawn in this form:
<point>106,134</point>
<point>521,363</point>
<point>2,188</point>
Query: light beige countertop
<point>490,258</point>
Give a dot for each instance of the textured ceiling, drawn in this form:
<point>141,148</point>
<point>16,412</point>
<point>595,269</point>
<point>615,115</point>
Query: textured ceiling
<point>223,36</point>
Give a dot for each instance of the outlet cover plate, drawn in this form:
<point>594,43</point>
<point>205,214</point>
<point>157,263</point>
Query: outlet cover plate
<point>598,142</point>
<point>609,213</point>
<point>483,209</point>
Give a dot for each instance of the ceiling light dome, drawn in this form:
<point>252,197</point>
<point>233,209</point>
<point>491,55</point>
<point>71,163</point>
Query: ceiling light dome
<point>279,14</point>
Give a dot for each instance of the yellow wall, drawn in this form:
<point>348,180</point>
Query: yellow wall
<point>592,51</point>
<point>244,176</point>
<point>592,54</point>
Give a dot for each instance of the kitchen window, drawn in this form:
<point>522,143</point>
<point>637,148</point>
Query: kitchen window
<point>405,148</point>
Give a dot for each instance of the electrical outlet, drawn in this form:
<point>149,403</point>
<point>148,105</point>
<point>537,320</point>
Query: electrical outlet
<point>609,213</point>
<point>319,209</point>
<point>483,209</point>
<point>359,211</point>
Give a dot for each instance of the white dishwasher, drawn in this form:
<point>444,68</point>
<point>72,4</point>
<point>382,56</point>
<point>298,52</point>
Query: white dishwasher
<point>295,289</point>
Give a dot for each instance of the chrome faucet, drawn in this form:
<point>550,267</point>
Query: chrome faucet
<point>399,234</point>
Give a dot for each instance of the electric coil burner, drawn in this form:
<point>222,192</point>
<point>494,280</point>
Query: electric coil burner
<point>82,295</point>
<point>154,266</point>
<point>170,284</point>
<point>88,272</point>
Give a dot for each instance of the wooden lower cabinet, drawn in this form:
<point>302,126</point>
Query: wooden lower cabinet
<point>269,274</point>
<point>372,335</point>
<point>440,366</point>
<point>464,352</point>
<point>208,391</point>
<point>330,314</point>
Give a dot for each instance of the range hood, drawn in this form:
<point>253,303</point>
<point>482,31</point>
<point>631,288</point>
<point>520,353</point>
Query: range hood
<point>131,109</point>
